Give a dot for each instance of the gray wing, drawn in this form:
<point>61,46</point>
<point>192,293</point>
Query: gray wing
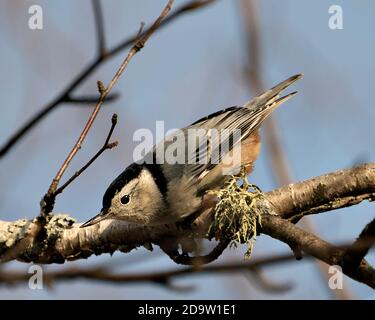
<point>198,150</point>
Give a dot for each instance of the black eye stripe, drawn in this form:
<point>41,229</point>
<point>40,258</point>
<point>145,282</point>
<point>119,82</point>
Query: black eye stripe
<point>125,199</point>
<point>130,173</point>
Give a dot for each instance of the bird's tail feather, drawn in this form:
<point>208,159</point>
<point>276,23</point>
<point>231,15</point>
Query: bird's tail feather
<point>271,97</point>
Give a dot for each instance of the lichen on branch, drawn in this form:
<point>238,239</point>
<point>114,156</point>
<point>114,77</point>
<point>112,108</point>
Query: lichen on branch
<point>238,212</point>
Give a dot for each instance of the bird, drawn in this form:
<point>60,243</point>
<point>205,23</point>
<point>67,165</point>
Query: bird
<point>153,192</point>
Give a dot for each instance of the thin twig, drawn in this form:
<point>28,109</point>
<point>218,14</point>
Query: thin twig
<point>102,274</point>
<point>65,95</point>
<point>256,276</point>
<point>106,146</point>
<point>50,196</point>
<point>90,99</point>
<point>141,27</point>
<point>98,14</point>
<point>359,249</point>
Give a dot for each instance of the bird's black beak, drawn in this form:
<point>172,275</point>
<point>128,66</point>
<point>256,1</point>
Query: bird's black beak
<point>101,216</point>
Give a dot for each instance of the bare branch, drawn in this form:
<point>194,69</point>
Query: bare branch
<point>288,233</point>
<point>359,249</point>
<point>105,275</point>
<point>49,198</point>
<point>65,95</point>
<point>83,100</point>
<point>98,14</point>
<point>106,146</point>
<point>165,278</point>
<point>67,241</point>
<point>256,276</point>
<point>336,190</point>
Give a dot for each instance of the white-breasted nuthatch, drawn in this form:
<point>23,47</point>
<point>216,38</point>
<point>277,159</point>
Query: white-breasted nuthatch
<point>159,193</point>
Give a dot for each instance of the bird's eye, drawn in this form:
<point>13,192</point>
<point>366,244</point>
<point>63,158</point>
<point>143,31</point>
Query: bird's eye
<point>125,199</point>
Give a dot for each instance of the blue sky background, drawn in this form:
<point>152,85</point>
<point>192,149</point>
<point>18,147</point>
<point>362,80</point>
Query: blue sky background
<point>191,68</point>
